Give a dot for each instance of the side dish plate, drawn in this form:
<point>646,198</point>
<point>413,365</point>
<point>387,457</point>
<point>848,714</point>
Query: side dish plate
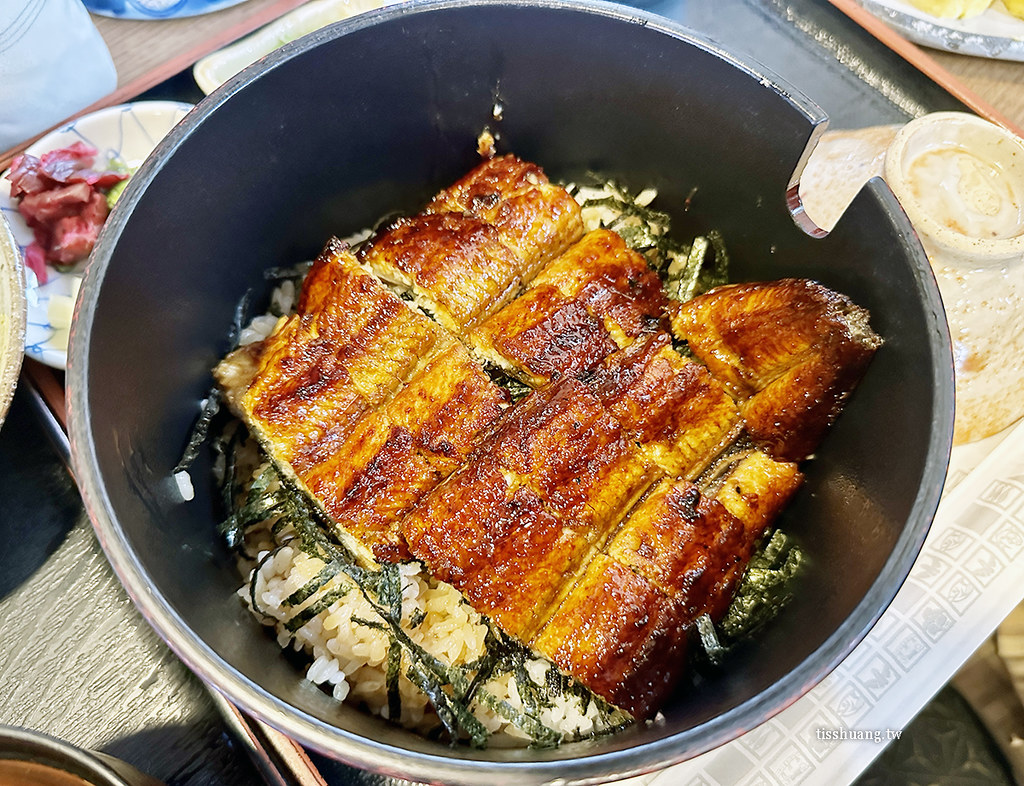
<point>995,33</point>
<point>12,316</point>
<point>124,134</point>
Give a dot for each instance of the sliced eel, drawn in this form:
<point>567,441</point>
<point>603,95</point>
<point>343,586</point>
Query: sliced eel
<point>535,218</point>
<point>478,242</point>
<point>363,402</point>
<point>614,282</point>
<point>619,635</point>
<point>543,491</point>
<point>543,335</point>
<point>496,541</point>
<point>562,444</point>
<point>790,351</point>
<point>400,451</point>
<point>678,413</point>
<point>596,297</point>
<point>456,267</point>
<point>348,348</point>
<point>623,629</point>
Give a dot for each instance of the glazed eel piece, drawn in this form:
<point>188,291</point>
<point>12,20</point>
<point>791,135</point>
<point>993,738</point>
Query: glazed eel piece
<point>789,351</point>
<point>362,402</point>
<point>365,403</point>
<point>596,297</point>
<point>574,527</point>
<point>595,520</point>
<point>476,243</point>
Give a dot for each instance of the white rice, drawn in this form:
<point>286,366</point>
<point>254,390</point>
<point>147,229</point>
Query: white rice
<point>349,659</point>
<point>183,481</point>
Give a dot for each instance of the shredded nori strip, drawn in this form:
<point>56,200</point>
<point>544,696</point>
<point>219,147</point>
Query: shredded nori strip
<point>321,604</point>
<point>200,431</point>
<point>516,388</point>
<point>287,273</point>
<point>766,587</point>
<point>259,505</point>
<point>314,585</point>
<point>416,618</point>
<point>686,269</point>
<point>542,736</point>
<point>241,318</point>
<point>446,686</point>
<point>225,447</point>
<point>386,585</point>
<point>391,680</point>
<point>453,715</point>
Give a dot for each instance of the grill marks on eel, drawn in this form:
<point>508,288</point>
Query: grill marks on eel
<point>581,520</point>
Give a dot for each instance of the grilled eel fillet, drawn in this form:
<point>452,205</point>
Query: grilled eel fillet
<point>790,352</point>
<point>582,520</point>
<point>364,403</point>
<point>596,297</point>
<point>476,243</point>
<point>566,529</point>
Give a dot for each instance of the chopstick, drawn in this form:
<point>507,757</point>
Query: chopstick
<point>924,62</point>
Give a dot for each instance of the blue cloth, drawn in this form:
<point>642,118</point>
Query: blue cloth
<point>53,63</point>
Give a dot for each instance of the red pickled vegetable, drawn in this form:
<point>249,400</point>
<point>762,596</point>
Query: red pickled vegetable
<point>63,200</point>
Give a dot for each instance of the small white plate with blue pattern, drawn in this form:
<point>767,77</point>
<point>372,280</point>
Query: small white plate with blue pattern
<point>124,134</point>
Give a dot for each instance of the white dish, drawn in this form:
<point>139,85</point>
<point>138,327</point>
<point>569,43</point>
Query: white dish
<point>215,69</point>
<point>126,133</point>
<point>995,33</point>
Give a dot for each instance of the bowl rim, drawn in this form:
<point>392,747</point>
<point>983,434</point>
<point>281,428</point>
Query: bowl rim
<point>36,746</point>
<point>14,310</point>
<point>402,762</point>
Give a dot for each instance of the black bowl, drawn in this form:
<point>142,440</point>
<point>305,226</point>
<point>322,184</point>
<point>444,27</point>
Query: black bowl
<point>373,115</point>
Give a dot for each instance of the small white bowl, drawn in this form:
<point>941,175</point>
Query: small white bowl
<point>960,180</point>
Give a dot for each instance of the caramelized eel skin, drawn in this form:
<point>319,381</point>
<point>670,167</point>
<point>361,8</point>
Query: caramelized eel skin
<point>477,242</point>
<point>790,351</point>
<point>536,219</point>
<point>581,519</point>
<point>597,296</point>
<point>364,403</point>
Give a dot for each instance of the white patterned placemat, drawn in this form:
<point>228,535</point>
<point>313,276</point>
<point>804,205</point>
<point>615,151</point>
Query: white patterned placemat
<point>967,579</point>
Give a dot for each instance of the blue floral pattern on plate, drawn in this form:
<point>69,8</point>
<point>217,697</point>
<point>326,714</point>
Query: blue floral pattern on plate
<point>156,9</point>
<point>127,134</point>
